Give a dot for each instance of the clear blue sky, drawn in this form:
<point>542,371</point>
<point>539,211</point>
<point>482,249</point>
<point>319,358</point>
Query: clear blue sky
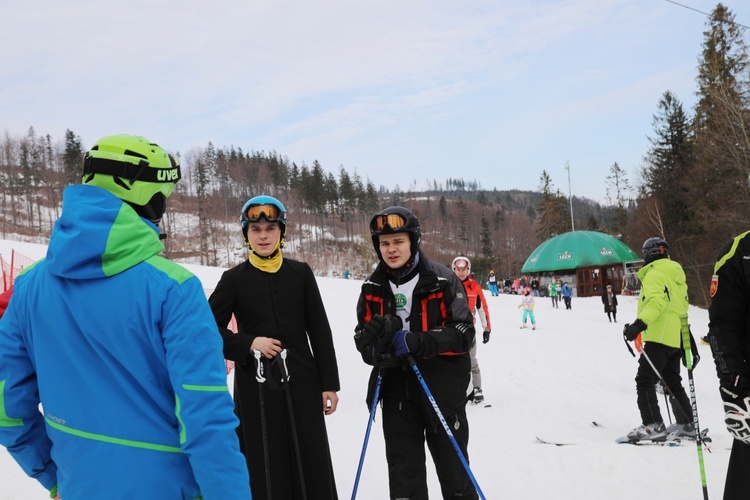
<point>401,91</point>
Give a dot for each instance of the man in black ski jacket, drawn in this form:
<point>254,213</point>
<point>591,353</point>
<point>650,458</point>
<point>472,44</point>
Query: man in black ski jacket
<point>412,307</point>
<point>729,336</point>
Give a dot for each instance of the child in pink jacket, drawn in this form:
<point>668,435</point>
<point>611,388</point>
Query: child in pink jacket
<point>527,303</point>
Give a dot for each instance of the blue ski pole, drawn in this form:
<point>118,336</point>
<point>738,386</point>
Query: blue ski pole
<point>373,406</point>
<point>446,427</point>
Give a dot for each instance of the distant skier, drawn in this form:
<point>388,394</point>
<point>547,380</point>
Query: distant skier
<point>567,295</point>
<point>527,303</point>
<point>478,306</point>
<point>492,283</point>
<point>609,299</point>
<point>554,293</point>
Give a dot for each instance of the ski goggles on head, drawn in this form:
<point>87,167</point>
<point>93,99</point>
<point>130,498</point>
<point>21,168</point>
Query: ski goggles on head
<point>393,221</point>
<point>267,211</point>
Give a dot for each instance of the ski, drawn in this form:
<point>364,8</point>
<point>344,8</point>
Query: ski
<point>669,441</point>
<point>553,443</point>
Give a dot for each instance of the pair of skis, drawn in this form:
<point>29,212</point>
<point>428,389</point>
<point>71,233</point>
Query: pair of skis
<point>667,441</point>
<point>262,366</point>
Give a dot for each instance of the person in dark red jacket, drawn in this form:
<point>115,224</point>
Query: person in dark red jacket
<point>412,306</point>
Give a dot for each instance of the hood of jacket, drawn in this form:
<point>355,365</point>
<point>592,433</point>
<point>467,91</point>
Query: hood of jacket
<point>98,235</point>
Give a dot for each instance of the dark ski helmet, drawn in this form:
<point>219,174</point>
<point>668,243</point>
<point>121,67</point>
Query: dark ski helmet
<point>263,207</point>
<point>135,170</point>
<point>394,220</point>
<point>655,248</point>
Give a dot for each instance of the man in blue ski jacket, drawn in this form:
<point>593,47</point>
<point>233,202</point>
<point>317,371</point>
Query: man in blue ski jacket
<point>120,348</point>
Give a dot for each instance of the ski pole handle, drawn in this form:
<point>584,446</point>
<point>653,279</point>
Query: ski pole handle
<point>258,366</point>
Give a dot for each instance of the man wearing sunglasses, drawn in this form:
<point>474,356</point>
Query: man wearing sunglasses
<point>411,307</point>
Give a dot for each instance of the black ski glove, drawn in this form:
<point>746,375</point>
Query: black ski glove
<point>631,331</point>
<point>486,336</point>
<point>367,336</point>
<point>390,325</point>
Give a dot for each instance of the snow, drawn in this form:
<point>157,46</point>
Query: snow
<point>552,383</point>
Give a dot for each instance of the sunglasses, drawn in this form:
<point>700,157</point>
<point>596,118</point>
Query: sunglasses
<point>393,221</point>
<point>269,212</point>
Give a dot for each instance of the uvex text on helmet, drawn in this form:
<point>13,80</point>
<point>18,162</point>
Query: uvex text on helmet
<point>135,170</point>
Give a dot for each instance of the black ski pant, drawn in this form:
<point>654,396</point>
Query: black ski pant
<point>737,484</point>
<point>406,427</point>
<point>667,361</point>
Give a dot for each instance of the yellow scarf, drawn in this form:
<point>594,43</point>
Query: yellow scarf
<point>269,264</point>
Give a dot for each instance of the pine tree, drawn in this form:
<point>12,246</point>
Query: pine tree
<point>553,218</point>
<point>618,187</point>
<point>73,157</point>
<point>666,176</point>
<point>722,128</point>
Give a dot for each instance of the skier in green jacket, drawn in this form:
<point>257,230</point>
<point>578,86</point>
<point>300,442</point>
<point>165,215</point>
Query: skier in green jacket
<point>662,303</point>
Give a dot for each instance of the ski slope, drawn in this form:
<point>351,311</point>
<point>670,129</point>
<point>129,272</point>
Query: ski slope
<point>551,383</point>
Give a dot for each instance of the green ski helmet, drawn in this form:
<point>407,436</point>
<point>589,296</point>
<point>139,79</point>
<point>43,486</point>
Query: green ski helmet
<point>135,170</point>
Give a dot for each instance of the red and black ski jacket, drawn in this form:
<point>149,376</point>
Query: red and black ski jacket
<point>439,310</point>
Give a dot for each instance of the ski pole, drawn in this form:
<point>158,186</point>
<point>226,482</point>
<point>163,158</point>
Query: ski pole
<point>263,426</point>
<point>666,403</point>
<point>295,439</point>
<point>445,426</point>
<point>687,346</point>
<point>373,407</point>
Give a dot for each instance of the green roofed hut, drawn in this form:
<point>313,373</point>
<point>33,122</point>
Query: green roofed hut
<point>588,260</point>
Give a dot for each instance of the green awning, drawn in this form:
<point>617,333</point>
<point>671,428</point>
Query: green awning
<point>578,249</point>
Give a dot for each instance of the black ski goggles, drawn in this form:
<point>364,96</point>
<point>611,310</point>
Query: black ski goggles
<point>392,221</point>
<point>267,211</point>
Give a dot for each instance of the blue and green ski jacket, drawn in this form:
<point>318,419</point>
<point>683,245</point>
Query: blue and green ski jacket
<point>120,348</point>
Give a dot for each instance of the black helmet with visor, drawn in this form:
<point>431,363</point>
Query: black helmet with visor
<point>393,220</point>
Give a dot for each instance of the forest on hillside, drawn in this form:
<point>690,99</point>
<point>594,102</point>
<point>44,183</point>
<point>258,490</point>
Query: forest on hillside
<point>693,190</point>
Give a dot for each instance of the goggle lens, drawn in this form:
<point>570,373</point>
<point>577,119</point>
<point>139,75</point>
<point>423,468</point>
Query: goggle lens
<point>394,221</point>
<point>461,264</point>
<point>269,212</point>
